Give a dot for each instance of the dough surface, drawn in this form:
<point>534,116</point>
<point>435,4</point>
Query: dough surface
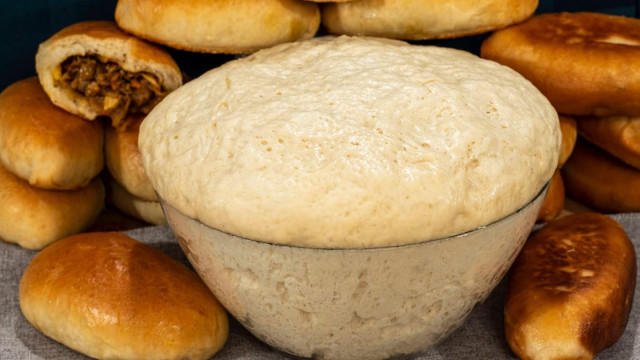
<point>351,142</point>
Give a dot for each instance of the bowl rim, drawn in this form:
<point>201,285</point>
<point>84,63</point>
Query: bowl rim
<point>540,193</point>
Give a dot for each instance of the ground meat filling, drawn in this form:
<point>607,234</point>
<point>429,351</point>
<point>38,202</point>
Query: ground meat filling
<point>111,91</point>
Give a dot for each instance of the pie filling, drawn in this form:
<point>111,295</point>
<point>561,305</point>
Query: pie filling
<point>110,90</point>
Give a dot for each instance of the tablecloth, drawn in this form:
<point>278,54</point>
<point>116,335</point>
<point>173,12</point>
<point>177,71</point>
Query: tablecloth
<point>481,337</point>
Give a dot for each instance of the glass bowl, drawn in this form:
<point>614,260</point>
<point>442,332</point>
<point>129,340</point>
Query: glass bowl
<point>369,303</point>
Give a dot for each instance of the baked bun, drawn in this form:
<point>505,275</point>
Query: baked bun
<point>44,144</point>
<point>92,68</point>
<point>569,129</point>
<point>34,218</point>
<point>600,181</point>
<point>109,296</point>
<point>145,210</point>
<point>124,160</point>
<point>423,19</point>
<point>222,26</point>
<point>584,63</point>
<point>554,201</point>
<point>570,290</point>
<point>327,143</point>
<point>619,136</point>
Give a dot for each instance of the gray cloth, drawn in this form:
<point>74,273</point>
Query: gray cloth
<point>481,337</point>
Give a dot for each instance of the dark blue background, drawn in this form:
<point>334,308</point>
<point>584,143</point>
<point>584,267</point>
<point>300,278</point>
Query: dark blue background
<point>26,23</point>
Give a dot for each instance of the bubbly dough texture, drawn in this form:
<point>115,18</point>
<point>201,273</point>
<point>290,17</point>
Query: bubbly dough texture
<point>351,142</point>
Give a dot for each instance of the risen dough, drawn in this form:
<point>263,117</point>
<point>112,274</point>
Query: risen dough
<point>351,142</point>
